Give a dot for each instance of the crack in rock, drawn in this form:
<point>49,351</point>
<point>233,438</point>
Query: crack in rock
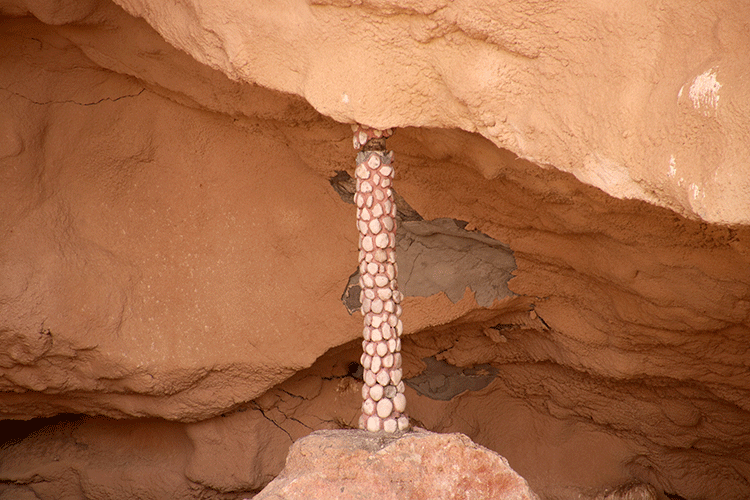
<point>94,103</point>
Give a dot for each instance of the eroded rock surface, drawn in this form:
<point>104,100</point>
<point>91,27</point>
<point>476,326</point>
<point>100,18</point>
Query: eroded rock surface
<point>417,465</point>
<point>97,458</point>
<point>642,102</point>
<point>172,249</point>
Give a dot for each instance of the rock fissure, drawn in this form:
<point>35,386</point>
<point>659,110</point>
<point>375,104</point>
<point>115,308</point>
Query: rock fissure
<point>94,103</point>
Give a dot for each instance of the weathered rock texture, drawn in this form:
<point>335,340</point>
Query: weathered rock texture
<point>101,458</point>
<point>348,464</point>
<point>174,244</point>
<point>641,101</point>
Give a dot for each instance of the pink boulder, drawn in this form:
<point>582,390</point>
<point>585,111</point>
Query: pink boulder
<point>355,464</point>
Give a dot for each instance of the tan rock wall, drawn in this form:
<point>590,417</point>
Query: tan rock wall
<point>643,102</point>
<point>171,245</point>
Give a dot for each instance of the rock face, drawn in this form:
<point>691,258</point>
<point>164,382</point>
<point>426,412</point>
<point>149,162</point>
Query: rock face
<point>176,241</point>
<point>641,102</point>
<point>97,458</point>
<point>348,464</point>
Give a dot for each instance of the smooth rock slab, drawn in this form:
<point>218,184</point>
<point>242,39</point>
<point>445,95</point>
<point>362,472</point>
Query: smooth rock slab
<point>355,464</point>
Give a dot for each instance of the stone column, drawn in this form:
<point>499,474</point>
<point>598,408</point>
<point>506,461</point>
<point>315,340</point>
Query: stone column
<point>383,400</point>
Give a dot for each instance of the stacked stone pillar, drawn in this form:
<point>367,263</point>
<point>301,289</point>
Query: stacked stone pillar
<point>383,400</point>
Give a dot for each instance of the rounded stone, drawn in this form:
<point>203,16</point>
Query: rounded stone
<point>366,361</point>
<point>379,195</point>
<point>373,424</point>
<point>370,348</point>
<point>386,332</point>
<point>368,203</point>
<point>362,138</point>
<point>399,402</point>
<point>375,365</point>
<point>403,423</point>
<point>377,306</point>
<point>375,321</point>
<point>397,296</point>
<point>384,293</point>
<point>377,210</point>
<point>376,335</point>
<point>381,241</point>
<point>397,360</point>
<point>379,255</point>
<point>398,344</point>
<point>383,378</point>
<point>365,187</point>
<point>387,205</point>
<point>366,306</point>
<point>392,239</point>
<point>392,320</point>
<point>367,243</point>
<point>388,360</point>
<point>382,350</point>
<point>390,426</point>
<point>375,179</point>
<point>391,344</point>
<point>388,223</point>
<point>386,171</point>
<point>366,391</point>
<point>362,172</point>
<point>362,226</point>
<point>399,327</point>
<point>376,393</point>
<point>399,310</point>
<point>374,226</point>
<point>369,293</point>
<point>373,161</point>
<point>396,377</point>
<point>381,280</point>
<point>366,333</point>
<point>368,405</point>
<point>400,387</point>
<point>372,268</point>
<point>384,408</point>
<point>370,378</point>
<point>390,391</point>
<point>389,306</point>
<point>367,280</point>
<point>359,200</point>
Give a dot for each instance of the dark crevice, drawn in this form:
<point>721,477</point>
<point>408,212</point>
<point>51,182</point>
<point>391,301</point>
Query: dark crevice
<point>115,99</point>
<point>257,407</point>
